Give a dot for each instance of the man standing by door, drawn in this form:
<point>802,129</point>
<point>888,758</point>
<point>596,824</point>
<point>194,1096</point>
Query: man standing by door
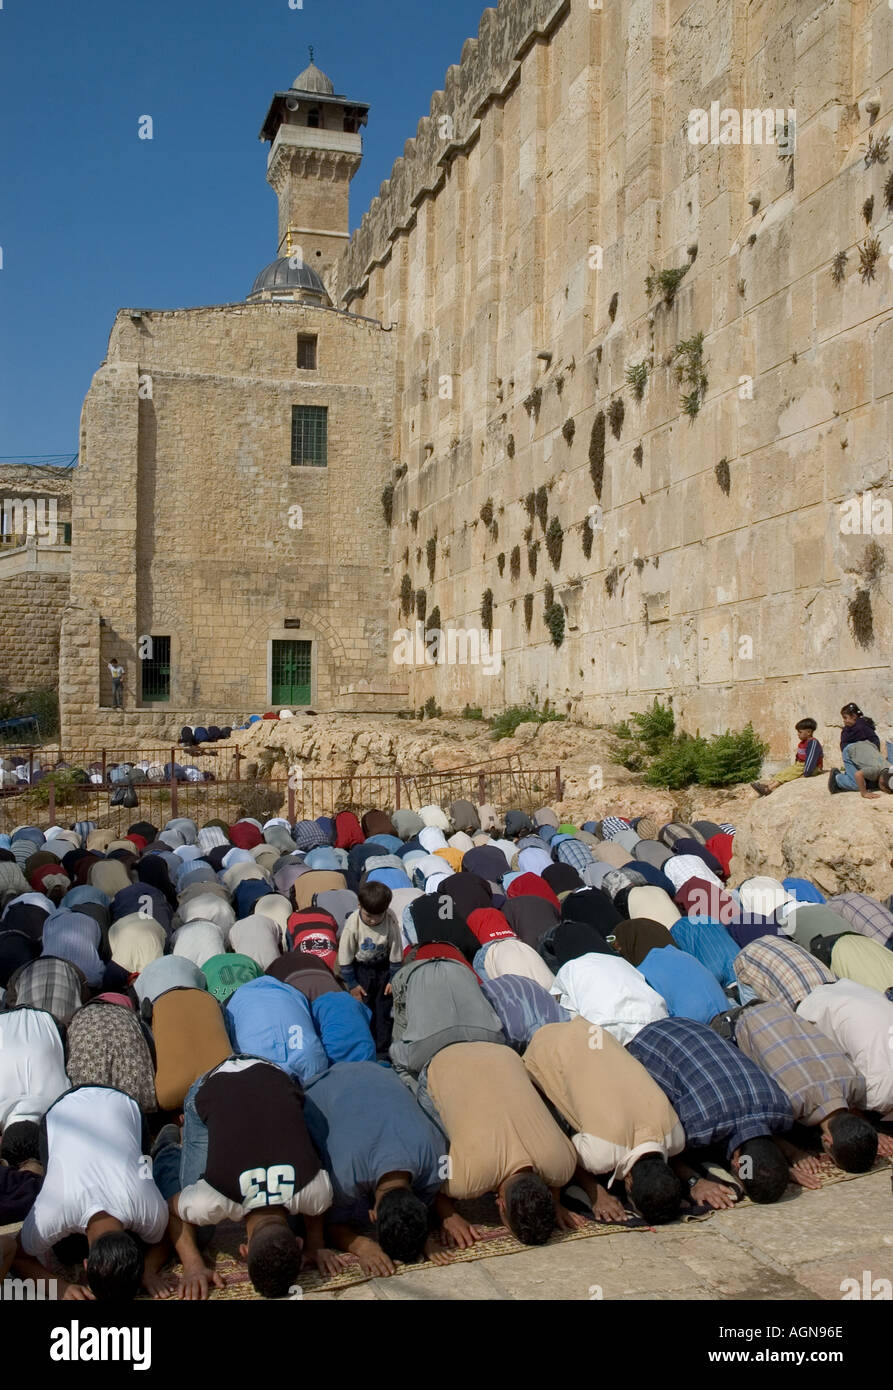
<point>116,671</point>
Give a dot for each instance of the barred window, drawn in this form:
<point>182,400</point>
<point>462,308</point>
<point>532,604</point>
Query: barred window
<point>309,435</point>
<point>307,352</point>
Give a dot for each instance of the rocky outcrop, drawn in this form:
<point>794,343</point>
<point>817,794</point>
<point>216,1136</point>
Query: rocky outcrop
<point>842,843</point>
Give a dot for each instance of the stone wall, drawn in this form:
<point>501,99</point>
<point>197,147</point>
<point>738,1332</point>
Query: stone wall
<point>185,509</point>
<point>510,248</point>
<point>33,576</point>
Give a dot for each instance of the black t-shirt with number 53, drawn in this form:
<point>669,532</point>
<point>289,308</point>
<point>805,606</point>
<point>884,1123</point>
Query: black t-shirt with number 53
<point>259,1151</point>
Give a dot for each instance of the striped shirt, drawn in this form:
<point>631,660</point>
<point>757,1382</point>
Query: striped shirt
<point>613,825</point>
<point>719,1095</point>
<point>864,915</point>
<point>710,943</point>
<point>780,970</point>
<point>815,1075</point>
<point>522,1006</point>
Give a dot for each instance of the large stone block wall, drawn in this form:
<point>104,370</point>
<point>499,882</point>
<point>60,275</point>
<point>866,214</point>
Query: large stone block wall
<point>552,174</point>
<point>33,579</point>
<point>185,493</point>
<point>31,606</point>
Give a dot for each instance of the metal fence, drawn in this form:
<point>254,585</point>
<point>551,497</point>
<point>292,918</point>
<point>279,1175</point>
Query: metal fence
<point>56,797</point>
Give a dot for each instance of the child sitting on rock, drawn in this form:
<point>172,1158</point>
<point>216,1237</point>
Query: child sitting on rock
<point>863,761</point>
<point>808,759</point>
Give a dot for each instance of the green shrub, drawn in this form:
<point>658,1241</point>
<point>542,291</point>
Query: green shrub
<point>387,503</point>
<point>677,763</point>
<point>655,725</point>
<point>472,712</point>
<point>430,709</point>
<point>732,757</point>
<point>504,725</point>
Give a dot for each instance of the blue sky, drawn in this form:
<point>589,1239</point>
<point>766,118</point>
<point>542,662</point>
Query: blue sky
<point>93,218</point>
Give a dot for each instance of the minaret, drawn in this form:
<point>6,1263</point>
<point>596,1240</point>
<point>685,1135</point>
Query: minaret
<point>315,150</point>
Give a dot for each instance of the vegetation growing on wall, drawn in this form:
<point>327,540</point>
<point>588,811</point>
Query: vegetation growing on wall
<point>690,370</point>
<point>515,563</point>
<point>487,610</point>
<point>387,503</point>
<point>723,476</point>
<point>554,541</point>
<point>637,378</point>
<point>869,255</point>
<point>554,619</point>
<point>616,412</point>
<point>667,281</point>
<point>838,267</point>
<point>877,150</point>
<point>528,610</point>
<point>542,505</point>
<point>431,555</point>
<point>568,430</point>
<point>587,536</point>
<point>407,594</point>
<point>597,454</point>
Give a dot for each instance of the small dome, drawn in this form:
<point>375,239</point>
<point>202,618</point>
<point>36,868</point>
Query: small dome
<point>312,79</point>
<point>285,275</point>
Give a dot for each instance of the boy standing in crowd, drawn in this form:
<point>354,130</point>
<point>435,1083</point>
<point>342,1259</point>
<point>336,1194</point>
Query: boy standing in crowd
<point>370,952</point>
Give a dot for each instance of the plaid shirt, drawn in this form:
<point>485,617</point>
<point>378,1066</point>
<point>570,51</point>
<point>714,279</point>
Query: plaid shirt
<point>308,835</point>
<point>719,1095</point>
<point>812,1071</point>
<point>575,853</point>
<point>613,825</point>
<point>865,916</point>
<point>780,970</point>
<point>710,943</point>
<point>51,984</point>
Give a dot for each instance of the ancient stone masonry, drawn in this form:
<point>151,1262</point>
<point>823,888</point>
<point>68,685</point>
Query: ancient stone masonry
<point>195,536</point>
<point>688,345</point>
<point>35,555</point>
<point>608,367</point>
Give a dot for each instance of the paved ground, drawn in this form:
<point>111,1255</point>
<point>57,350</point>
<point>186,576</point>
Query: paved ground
<point>802,1248</point>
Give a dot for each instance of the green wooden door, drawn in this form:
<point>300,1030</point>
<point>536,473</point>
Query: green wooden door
<point>291,673</point>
